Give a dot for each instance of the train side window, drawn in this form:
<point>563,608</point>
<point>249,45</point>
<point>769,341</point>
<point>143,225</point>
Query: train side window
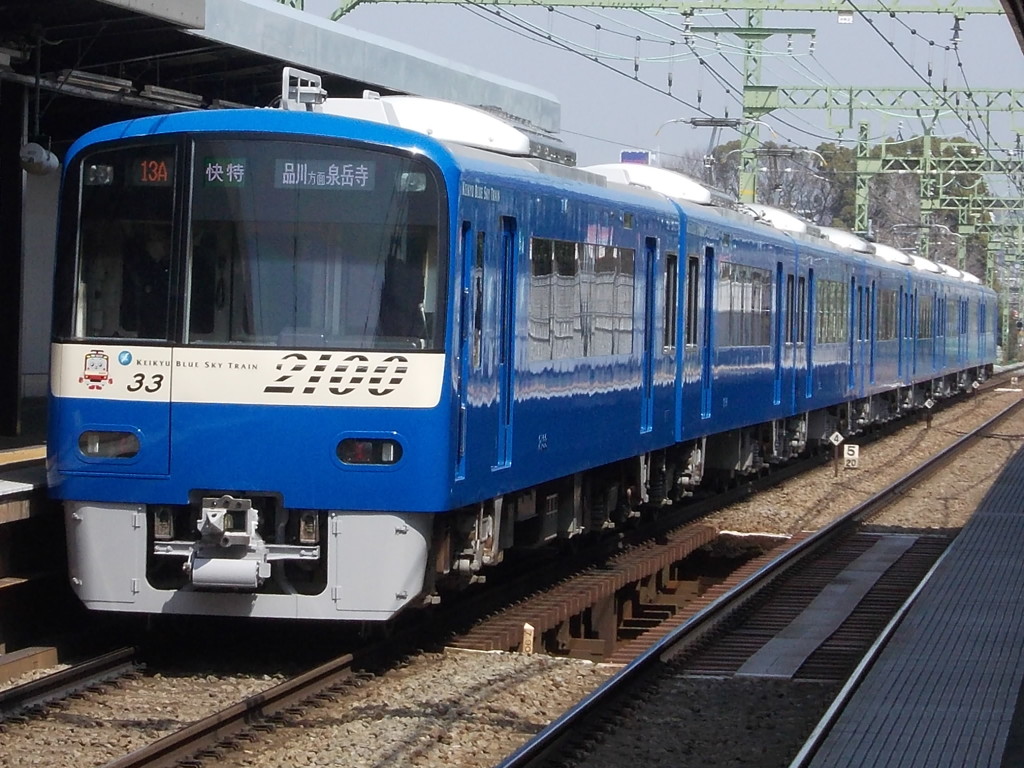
<point>671,305</point>
<point>540,316</point>
<point>567,302</point>
<point>692,292</point>
<point>925,317</point>
<point>625,288</point>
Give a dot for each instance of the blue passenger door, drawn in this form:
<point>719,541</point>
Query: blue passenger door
<point>810,300</point>
<point>505,342</point>
<point>787,331</point>
<point>471,252</point>
<point>777,346</point>
<point>647,402</point>
<point>858,334</point>
<point>707,347</point>
<point>872,330</point>
<point>901,324</point>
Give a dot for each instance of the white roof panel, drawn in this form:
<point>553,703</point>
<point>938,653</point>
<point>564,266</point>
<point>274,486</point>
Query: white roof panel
<point>667,182</point>
<point>892,255</point>
<point>846,239</point>
<point>779,218</point>
<point>443,120</point>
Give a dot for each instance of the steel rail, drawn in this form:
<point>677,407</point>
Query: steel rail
<point>230,722</point>
<point>572,721</point>
<point>60,685</point>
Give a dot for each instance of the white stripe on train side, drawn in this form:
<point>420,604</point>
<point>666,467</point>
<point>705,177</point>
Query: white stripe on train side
<point>364,378</point>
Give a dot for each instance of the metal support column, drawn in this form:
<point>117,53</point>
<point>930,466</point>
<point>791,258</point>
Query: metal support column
<point>12,115</point>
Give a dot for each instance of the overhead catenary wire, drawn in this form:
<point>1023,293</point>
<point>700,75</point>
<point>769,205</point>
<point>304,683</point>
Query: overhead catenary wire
<point>967,123</point>
<point>697,49</point>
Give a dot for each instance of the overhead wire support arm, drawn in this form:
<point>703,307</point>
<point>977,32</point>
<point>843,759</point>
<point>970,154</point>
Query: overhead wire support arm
<point>959,7</point>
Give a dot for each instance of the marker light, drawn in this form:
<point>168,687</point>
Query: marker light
<point>163,524</point>
<point>369,451</point>
<point>108,445</point>
<point>309,527</point>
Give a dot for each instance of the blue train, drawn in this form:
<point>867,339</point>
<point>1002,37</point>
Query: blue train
<point>323,361</point>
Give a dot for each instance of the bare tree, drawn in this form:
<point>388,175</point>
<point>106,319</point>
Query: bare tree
<point>690,163</point>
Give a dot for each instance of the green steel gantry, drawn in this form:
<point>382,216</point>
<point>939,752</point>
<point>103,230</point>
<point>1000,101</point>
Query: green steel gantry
<point>757,99</point>
<point>941,167</point>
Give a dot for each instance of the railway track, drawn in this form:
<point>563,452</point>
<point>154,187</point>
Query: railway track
<point>616,606</point>
<point>21,700</point>
<point>236,725</point>
<point>205,738</point>
<point>725,636</point>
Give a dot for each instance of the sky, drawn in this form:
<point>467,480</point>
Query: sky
<point>615,89</point>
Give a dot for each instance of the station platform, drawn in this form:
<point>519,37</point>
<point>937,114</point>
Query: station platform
<point>946,690</point>
<point>22,469</point>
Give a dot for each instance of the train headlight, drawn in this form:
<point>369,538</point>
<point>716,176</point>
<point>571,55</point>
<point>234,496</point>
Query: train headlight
<point>108,445</point>
<point>163,524</point>
<point>369,451</point>
<point>309,527</point>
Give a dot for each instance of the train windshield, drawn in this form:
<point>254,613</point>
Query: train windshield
<point>125,243</point>
<point>299,245</point>
<point>278,243</point>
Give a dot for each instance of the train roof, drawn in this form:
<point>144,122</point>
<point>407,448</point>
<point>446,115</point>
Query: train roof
<point>781,219</point>
<point>670,183</point>
<point>679,186</point>
<point>445,121</point>
<point>951,271</point>
<point>846,239</point>
<point>448,121</point>
<point>893,255</point>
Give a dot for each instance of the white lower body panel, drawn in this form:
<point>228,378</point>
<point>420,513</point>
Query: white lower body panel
<point>376,566</point>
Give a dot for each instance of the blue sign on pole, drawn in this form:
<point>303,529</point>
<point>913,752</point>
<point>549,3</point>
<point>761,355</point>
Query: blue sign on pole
<point>638,156</point>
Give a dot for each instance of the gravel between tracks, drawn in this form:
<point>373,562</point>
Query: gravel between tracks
<point>116,719</point>
<point>470,709</point>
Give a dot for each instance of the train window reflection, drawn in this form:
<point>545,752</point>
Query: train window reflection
<point>125,242</point>
<point>284,256</point>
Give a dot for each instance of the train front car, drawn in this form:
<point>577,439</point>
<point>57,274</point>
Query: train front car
<point>248,367</point>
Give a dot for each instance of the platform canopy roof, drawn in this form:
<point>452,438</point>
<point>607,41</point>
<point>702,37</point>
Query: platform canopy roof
<point>1015,10</point>
<point>139,55</point>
